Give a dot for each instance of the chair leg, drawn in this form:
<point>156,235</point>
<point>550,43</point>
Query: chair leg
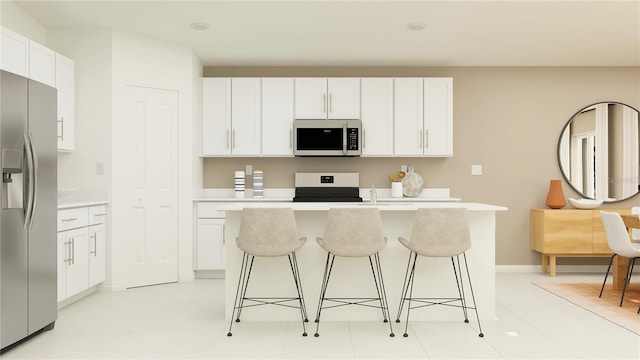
<point>460,287</point>
<point>410,286</point>
<point>382,292</point>
<point>296,280</point>
<point>239,290</point>
<point>473,297</point>
<point>628,278</point>
<point>323,290</point>
<point>243,295</point>
<point>378,284</point>
<point>607,274</point>
<point>405,288</point>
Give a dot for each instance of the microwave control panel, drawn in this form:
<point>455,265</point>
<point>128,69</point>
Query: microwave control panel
<point>352,139</point>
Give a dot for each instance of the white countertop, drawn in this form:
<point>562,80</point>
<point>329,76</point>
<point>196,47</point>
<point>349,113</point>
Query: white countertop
<point>68,199</point>
<point>286,195</point>
<point>324,206</point>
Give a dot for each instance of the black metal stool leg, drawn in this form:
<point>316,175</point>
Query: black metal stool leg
<point>243,295</point>
<point>607,275</point>
<point>460,286</point>
<point>405,287</point>
<point>236,303</point>
<point>411,281</point>
<point>299,286</point>
<point>384,302</point>
<point>323,290</point>
<point>378,287</point>
<point>473,297</point>
<point>630,266</point>
<point>303,314</point>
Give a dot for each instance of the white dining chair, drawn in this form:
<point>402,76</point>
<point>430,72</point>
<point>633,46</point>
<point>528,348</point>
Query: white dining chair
<point>635,233</point>
<point>618,240</point>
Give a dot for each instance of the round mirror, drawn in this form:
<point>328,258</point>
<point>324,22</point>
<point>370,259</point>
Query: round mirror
<point>598,151</point>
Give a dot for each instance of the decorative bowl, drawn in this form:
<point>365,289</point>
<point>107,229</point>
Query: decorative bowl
<point>585,203</point>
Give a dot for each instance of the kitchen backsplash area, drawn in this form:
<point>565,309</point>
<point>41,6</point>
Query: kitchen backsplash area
<point>279,172</point>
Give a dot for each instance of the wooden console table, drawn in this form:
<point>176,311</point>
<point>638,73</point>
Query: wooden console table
<point>571,233</point>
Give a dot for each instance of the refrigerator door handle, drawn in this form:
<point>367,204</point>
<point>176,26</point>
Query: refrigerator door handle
<point>34,182</point>
<point>29,178</point>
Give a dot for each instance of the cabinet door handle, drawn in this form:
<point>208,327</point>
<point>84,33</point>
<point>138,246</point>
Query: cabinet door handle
<point>233,139</point>
<point>67,247</point>
<point>330,103</point>
<point>69,219</point>
<point>364,138</point>
<point>227,140</point>
<point>95,244</point>
<point>324,103</point>
<point>426,138</point>
<point>73,251</point>
<point>61,121</point>
<point>290,138</point>
<point>224,238</point>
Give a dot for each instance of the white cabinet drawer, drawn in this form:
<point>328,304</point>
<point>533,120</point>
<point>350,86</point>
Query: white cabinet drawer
<point>97,215</point>
<point>210,210</point>
<point>72,218</point>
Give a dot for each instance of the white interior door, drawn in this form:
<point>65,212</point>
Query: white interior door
<point>152,116</point>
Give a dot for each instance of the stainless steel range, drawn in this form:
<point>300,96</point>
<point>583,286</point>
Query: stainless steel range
<point>327,187</point>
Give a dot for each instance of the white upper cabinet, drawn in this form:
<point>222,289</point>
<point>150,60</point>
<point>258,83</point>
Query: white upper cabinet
<point>409,124</point>
<point>424,117</point>
<point>15,53</point>
<point>231,116</point>
<point>438,117</point>
<point>332,98</point>
<point>65,83</point>
<point>216,116</point>
<point>245,116</point>
<point>277,116</point>
<point>377,116</point>
<point>34,61</point>
<point>42,64</point>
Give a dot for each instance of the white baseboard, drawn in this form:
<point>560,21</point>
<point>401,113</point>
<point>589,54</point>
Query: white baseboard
<point>559,268</point>
<point>209,274</point>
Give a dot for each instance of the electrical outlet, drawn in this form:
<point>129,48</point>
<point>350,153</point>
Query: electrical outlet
<point>476,170</point>
<point>99,168</point>
<point>248,170</point>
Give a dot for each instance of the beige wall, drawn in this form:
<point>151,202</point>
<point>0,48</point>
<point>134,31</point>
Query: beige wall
<point>506,119</point>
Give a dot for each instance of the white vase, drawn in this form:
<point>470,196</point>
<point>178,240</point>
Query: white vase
<point>396,189</point>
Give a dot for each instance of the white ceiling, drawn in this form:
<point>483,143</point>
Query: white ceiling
<point>372,33</point>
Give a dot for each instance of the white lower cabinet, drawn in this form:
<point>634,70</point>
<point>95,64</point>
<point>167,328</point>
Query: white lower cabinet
<point>75,261</point>
<point>209,246</point>
<point>97,260</point>
<point>81,249</point>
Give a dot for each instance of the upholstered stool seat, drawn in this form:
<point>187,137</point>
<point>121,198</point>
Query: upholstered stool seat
<point>267,232</point>
<point>438,233</point>
<point>353,232</point>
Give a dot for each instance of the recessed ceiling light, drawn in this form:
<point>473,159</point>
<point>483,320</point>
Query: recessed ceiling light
<point>416,26</point>
<point>200,26</point>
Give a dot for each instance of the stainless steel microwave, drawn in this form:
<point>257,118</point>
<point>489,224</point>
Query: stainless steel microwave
<point>327,137</point>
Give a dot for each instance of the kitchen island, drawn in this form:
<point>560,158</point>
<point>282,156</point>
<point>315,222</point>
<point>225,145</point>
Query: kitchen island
<point>352,276</point>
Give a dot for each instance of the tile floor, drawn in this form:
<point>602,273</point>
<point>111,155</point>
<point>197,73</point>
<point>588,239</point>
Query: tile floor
<point>186,321</point>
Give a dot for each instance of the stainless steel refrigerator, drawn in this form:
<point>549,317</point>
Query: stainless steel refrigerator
<point>28,218</point>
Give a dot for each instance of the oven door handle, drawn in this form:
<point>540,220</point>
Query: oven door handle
<point>344,139</point>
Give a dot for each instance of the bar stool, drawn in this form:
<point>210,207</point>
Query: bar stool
<point>438,233</point>
<point>354,232</point>
<point>268,232</point>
